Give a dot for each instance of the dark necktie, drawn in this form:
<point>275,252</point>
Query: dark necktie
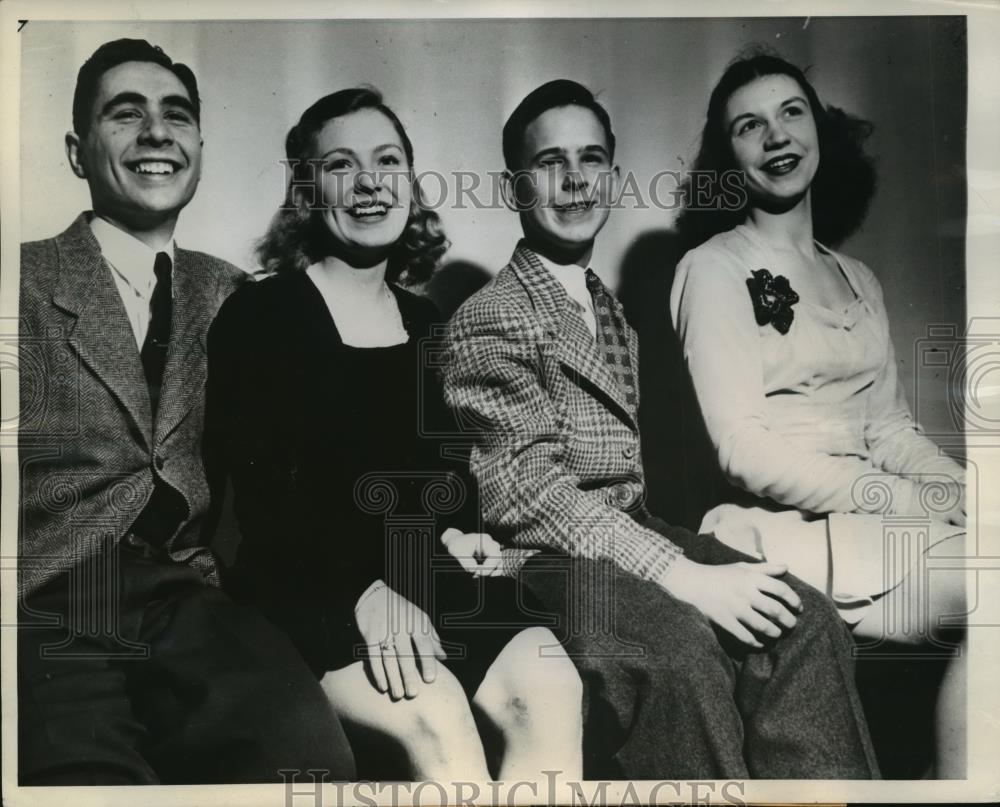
<point>166,508</point>
<point>154,348</point>
<point>611,338</point>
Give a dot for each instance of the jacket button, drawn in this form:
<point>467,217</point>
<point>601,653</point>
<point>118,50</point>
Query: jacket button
<point>628,452</point>
<point>159,462</point>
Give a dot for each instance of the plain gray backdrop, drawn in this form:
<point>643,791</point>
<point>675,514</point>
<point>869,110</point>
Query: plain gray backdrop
<point>454,82</point>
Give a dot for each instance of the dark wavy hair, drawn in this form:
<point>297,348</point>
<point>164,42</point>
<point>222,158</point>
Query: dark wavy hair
<point>844,183</point>
<point>112,54</point>
<point>298,237</point>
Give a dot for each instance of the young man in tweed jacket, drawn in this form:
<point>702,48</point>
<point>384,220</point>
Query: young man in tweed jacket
<point>698,661</point>
<point>133,666</point>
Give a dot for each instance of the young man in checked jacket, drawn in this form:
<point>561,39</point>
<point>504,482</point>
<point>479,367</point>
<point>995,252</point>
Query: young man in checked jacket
<point>698,661</point>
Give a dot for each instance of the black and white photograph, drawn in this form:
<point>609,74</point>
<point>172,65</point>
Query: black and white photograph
<point>446,403</point>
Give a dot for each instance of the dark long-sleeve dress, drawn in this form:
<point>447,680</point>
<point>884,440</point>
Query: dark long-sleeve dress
<point>346,468</point>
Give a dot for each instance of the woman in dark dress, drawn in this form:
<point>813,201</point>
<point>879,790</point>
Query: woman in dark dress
<point>326,409</point>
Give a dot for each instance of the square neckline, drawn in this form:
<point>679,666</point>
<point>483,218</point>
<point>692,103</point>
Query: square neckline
<point>841,313</point>
<point>317,295</point>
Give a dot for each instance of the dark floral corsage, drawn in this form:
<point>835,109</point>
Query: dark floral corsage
<point>773,298</point>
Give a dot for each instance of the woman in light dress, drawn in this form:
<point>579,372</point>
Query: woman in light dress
<point>787,344</point>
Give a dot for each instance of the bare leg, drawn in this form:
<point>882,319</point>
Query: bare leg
<point>950,723</point>
<point>533,694</point>
<point>436,728</point>
<point>911,614</point>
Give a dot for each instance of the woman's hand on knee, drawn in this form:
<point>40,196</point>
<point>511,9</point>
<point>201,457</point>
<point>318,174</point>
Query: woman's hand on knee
<point>399,638</point>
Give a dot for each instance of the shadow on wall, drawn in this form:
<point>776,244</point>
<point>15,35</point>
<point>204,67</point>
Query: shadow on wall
<point>454,283</point>
<point>681,470</point>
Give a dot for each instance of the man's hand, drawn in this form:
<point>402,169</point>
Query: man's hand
<point>476,551</point>
<point>397,633</point>
<point>744,599</point>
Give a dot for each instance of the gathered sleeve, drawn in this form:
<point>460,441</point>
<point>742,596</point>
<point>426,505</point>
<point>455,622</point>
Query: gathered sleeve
<point>893,437</point>
<point>713,314</point>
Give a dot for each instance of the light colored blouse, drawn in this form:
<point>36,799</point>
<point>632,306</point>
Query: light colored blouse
<point>815,419</point>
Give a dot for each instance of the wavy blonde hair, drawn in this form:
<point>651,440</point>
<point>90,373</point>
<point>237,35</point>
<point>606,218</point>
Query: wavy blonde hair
<point>297,236</point>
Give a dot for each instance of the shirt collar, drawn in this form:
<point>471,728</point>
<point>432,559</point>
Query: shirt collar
<point>572,277</point>
<point>129,256</point>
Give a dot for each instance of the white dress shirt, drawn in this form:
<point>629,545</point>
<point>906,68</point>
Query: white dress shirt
<point>574,279</point>
<point>131,263</point>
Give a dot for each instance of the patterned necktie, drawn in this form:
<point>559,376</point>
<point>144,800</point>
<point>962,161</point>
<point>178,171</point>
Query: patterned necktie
<point>154,348</point>
<point>611,338</point>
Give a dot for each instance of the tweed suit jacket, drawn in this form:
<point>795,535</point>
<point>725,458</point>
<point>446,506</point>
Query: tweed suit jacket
<point>556,446</point>
<point>88,445</point>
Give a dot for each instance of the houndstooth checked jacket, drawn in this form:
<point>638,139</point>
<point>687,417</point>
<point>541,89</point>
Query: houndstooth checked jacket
<point>556,450</point>
<point>87,443</point>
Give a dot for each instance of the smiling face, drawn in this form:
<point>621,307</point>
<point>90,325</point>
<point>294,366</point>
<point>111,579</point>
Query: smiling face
<point>142,154</point>
<point>364,183</point>
<point>567,180</point>
<point>773,136</point>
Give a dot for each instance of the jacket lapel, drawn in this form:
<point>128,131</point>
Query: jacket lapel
<point>575,346</point>
<point>101,334</point>
<point>184,374</point>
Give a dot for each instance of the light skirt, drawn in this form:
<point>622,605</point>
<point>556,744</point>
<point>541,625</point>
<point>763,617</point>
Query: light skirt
<point>853,558</point>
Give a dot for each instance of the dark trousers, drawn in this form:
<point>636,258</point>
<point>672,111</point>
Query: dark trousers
<point>131,670</point>
<point>669,698</point>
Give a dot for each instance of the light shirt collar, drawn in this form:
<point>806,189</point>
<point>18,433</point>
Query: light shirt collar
<point>130,264</point>
<point>129,257</point>
<point>573,279</point>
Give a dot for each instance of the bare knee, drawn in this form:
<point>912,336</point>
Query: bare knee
<point>936,598</point>
<point>532,677</point>
<point>920,610</point>
<point>439,716</point>
<point>541,664</point>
